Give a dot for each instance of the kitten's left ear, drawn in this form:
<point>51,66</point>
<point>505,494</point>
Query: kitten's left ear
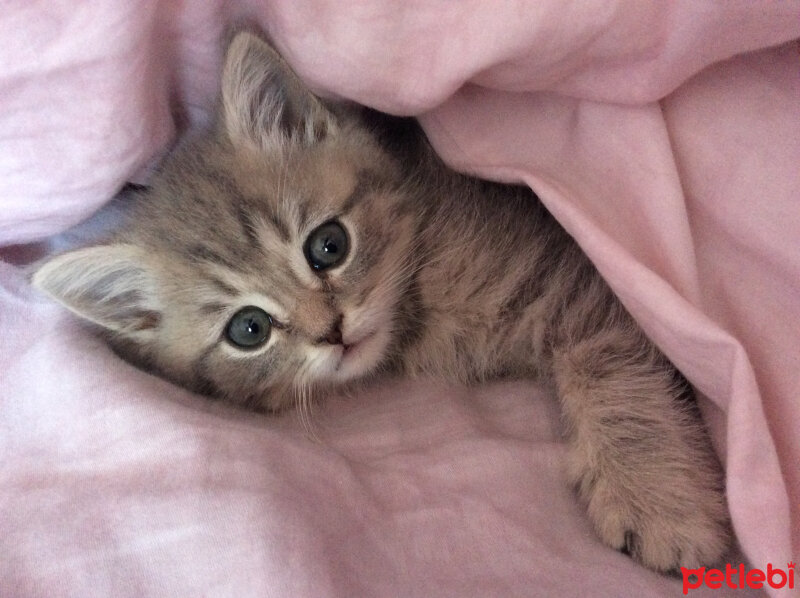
<point>110,285</point>
<point>264,102</point>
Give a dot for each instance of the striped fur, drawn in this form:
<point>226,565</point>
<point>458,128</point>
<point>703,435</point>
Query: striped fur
<point>446,276</point>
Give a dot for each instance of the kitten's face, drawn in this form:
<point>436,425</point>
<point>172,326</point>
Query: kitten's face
<point>308,237</point>
<point>267,258</point>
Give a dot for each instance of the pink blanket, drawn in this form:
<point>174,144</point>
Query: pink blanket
<point>665,136</point>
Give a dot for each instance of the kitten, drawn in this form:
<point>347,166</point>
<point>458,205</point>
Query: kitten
<point>298,246</point>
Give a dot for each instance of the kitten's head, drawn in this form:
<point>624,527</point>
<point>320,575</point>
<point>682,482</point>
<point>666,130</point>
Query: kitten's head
<point>269,256</point>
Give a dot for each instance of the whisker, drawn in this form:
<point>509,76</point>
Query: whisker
<point>303,398</point>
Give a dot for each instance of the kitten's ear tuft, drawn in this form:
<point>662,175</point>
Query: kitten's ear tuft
<point>264,102</point>
<point>110,285</point>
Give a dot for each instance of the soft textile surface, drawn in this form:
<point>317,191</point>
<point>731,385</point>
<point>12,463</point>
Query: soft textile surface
<point>664,136</point>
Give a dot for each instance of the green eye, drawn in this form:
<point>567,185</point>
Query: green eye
<point>249,328</point>
<point>326,246</point>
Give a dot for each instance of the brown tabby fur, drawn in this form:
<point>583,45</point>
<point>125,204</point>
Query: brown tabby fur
<point>447,276</point>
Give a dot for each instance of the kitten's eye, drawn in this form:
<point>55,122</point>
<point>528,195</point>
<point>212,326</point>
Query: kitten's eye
<point>249,328</point>
<point>326,246</point>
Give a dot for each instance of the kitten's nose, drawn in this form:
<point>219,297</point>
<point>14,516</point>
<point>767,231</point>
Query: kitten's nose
<point>334,335</point>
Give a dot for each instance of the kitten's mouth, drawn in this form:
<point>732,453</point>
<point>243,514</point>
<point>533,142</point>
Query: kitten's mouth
<point>359,355</point>
<point>352,348</point>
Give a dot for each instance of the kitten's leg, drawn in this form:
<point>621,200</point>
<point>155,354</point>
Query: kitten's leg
<point>639,454</point>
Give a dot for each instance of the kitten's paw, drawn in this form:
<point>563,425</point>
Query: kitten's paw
<point>678,523</point>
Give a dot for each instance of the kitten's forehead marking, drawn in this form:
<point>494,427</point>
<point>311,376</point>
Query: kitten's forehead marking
<point>258,217</point>
<point>237,292</point>
<point>366,181</point>
<point>203,253</point>
<point>221,286</point>
<point>272,243</point>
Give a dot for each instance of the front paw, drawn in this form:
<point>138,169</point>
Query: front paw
<point>663,521</point>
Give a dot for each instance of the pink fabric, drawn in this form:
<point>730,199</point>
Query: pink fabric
<point>669,153</point>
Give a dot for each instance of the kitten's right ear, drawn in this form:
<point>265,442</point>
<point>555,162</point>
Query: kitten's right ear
<point>110,285</point>
<point>264,102</point>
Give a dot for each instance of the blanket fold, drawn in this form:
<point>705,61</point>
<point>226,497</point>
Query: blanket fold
<point>664,137</point>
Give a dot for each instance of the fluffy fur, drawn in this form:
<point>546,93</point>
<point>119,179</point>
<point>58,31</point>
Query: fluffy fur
<point>445,275</point>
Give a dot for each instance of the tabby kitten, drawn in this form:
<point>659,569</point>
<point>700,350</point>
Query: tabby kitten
<point>299,246</point>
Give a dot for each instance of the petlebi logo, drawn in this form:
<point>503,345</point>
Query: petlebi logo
<point>736,577</point>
